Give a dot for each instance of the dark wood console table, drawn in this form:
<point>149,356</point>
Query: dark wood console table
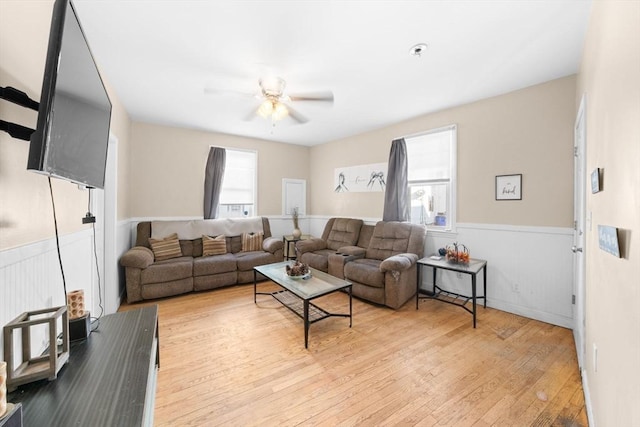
<point>110,379</point>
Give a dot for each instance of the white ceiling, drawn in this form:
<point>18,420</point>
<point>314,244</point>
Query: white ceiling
<point>160,55</point>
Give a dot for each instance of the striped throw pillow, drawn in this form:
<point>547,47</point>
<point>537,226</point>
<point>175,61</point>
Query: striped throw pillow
<point>166,248</point>
<point>251,242</point>
<point>214,246</point>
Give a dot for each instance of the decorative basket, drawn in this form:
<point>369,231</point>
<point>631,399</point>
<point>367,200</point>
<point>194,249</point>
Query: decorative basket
<point>457,253</point>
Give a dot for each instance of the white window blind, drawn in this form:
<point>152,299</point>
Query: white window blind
<point>238,194</point>
<point>431,176</point>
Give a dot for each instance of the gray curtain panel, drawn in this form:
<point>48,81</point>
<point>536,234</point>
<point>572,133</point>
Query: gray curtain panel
<point>396,196</point>
<point>213,175</point>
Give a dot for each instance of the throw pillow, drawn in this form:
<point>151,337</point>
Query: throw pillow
<point>166,248</point>
<point>251,242</point>
<point>214,246</point>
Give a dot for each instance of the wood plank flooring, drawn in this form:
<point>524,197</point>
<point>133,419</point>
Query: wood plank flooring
<point>227,361</point>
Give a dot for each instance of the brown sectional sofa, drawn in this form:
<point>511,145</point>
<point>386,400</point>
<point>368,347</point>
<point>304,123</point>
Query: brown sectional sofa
<point>380,260</point>
<point>147,278</point>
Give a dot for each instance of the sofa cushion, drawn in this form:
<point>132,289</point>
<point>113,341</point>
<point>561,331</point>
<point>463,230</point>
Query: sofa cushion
<point>214,245</point>
<point>191,247</point>
<point>251,242</point>
<point>344,232</point>
<point>389,238</point>
<point>166,248</point>
<point>248,260</point>
<point>214,264</point>
<point>234,244</point>
<point>365,271</point>
<point>318,259</point>
<point>167,271</point>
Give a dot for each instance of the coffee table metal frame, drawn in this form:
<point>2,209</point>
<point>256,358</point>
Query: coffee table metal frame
<point>297,294</point>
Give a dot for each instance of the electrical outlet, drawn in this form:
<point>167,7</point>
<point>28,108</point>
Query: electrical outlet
<point>595,358</point>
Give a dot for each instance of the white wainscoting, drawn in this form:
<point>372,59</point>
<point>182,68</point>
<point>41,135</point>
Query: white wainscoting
<point>529,269</point>
<point>30,278</point>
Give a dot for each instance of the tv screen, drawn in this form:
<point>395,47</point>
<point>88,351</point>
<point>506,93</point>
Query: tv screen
<point>72,133</point>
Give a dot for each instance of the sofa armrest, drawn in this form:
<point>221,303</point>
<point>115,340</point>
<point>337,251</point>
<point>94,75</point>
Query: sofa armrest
<point>310,245</point>
<point>272,245</point>
<point>137,257</point>
<point>336,262</point>
<point>398,262</point>
<point>355,251</point>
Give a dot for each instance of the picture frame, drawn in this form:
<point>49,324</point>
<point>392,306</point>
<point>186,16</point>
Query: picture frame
<point>595,181</point>
<point>509,187</point>
<point>608,240</point>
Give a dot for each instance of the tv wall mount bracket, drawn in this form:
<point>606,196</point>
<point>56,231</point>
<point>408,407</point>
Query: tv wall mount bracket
<point>17,97</point>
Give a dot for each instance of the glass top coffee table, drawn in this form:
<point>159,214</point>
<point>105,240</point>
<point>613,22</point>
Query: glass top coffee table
<point>296,293</point>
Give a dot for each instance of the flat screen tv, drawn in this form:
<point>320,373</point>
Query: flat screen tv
<point>72,133</point>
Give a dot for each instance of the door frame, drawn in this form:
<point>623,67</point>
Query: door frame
<point>580,226</point>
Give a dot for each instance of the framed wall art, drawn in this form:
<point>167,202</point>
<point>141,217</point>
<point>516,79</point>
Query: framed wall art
<point>595,181</point>
<point>608,240</point>
<point>509,187</point>
<point>361,178</point>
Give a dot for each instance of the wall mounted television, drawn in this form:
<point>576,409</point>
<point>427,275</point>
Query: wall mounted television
<point>72,134</point>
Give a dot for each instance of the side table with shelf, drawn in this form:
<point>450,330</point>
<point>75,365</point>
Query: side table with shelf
<point>288,240</point>
<point>472,268</point>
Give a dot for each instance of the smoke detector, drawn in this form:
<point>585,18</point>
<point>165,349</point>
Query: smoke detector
<point>418,49</point>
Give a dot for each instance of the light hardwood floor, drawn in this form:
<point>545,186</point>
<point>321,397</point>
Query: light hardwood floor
<point>227,361</point>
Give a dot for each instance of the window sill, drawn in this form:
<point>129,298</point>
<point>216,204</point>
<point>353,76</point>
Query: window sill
<point>442,233</point>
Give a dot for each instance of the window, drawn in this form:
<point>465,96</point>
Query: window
<point>432,177</point>
<point>238,195</point>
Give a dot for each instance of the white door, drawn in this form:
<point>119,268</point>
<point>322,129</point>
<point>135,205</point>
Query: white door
<point>579,186</point>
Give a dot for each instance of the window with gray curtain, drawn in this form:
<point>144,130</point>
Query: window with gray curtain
<point>396,201</point>
<point>432,177</point>
<point>213,176</point>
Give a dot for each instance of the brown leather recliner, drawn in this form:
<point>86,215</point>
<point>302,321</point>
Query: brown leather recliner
<point>338,233</point>
<point>387,273</point>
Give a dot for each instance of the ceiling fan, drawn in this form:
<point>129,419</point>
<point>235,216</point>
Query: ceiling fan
<point>274,103</point>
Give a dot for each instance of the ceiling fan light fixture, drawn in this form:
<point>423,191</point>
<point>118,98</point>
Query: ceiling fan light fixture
<point>280,111</point>
<point>274,110</point>
<point>266,109</point>
<point>272,86</point>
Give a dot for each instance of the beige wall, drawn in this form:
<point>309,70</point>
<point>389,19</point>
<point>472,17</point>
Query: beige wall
<point>25,204</point>
<point>167,170</point>
<point>610,78</point>
<point>529,131</point>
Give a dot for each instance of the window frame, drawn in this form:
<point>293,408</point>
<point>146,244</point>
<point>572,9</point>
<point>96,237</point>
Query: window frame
<point>453,170</point>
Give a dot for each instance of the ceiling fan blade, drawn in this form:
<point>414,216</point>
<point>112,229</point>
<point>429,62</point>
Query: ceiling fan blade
<point>326,96</point>
<point>252,115</point>
<point>295,115</point>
